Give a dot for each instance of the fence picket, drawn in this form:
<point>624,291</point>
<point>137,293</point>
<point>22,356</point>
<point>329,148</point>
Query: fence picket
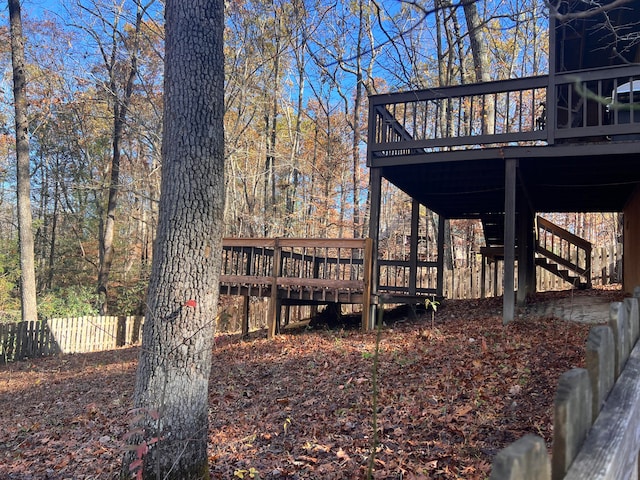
<point>526,458</point>
<point>571,420</point>
<point>66,335</point>
<point>600,354</point>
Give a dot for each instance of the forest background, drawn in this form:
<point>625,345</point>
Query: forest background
<point>298,73</point>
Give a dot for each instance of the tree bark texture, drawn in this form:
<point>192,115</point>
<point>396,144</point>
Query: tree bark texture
<point>171,394</point>
<point>25,232</point>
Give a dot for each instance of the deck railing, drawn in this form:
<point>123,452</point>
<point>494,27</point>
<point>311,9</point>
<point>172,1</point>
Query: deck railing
<point>300,270</point>
<point>395,278</point>
<point>337,264</point>
<point>504,113</point>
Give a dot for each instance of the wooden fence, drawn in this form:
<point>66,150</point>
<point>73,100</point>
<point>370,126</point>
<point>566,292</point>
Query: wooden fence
<point>67,335</point>
<point>596,412</point>
<point>465,282</point>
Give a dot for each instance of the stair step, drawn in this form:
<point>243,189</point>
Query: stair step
<point>493,226</point>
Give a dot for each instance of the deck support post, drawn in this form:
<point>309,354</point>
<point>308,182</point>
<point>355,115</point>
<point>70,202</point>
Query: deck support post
<point>245,315</point>
<point>508,309</point>
<point>483,276</point>
<point>274,303</point>
<point>440,270</point>
<point>375,189</point>
<point>526,256</point>
<point>413,247</point>
<point>367,322</point>
<point>246,299</point>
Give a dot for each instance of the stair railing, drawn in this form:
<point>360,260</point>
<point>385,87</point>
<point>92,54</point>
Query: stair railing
<point>564,248</point>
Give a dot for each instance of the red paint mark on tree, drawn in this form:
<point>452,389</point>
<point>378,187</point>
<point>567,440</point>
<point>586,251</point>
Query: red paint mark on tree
<point>190,303</point>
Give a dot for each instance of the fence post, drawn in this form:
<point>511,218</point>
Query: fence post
<point>572,419</point>
<point>525,459</point>
<point>618,324</point>
<point>600,360</point>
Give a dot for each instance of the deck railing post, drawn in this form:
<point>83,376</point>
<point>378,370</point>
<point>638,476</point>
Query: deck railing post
<point>274,303</point>
<point>368,277</point>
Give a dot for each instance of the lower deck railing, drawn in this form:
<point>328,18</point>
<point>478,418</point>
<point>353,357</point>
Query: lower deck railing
<point>300,271</point>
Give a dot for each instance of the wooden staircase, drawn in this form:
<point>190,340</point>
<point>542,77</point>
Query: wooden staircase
<point>558,251</point>
<point>563,253</point>
<point>564,273</point>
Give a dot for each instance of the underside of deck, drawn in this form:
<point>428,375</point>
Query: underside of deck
<point>559,178</point>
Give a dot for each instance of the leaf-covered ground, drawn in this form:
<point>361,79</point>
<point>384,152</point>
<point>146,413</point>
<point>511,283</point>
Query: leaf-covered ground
<point>300,406</point>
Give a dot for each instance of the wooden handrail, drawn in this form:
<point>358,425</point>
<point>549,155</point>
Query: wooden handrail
<point>563,233</point>
<point>561,255</point>
<point>294,242</point>
<point>406,123</point>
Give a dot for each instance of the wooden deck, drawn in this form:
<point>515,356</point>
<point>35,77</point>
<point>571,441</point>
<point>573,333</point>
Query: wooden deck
<point>438,146</point>
<point>508,150</point>
<point>316,271</point>
<point>298,271</point>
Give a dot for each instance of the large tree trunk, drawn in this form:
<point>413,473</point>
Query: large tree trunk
<point>171,392</point>
<point>25,232</point>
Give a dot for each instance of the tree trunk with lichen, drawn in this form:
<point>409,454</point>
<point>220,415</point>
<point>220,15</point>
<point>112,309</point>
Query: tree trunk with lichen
<point>171,394</point>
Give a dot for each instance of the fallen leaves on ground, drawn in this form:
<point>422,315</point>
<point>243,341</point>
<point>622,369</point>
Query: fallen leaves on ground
<point>300,406</point>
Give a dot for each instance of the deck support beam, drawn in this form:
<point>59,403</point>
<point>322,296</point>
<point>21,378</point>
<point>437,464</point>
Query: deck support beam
<point>510,170</point>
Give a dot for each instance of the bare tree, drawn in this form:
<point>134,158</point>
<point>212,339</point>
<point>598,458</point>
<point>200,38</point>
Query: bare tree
<point>118,85</point>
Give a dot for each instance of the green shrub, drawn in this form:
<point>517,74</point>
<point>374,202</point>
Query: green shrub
<point>73,301</point>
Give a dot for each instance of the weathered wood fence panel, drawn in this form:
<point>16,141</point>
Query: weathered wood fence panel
<point>596,412</point>
<point>67,335</point>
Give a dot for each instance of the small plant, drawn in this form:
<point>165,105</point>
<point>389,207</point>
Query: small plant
<point>251,473</point>
<point>143,441</point>
<point>433,303</point>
